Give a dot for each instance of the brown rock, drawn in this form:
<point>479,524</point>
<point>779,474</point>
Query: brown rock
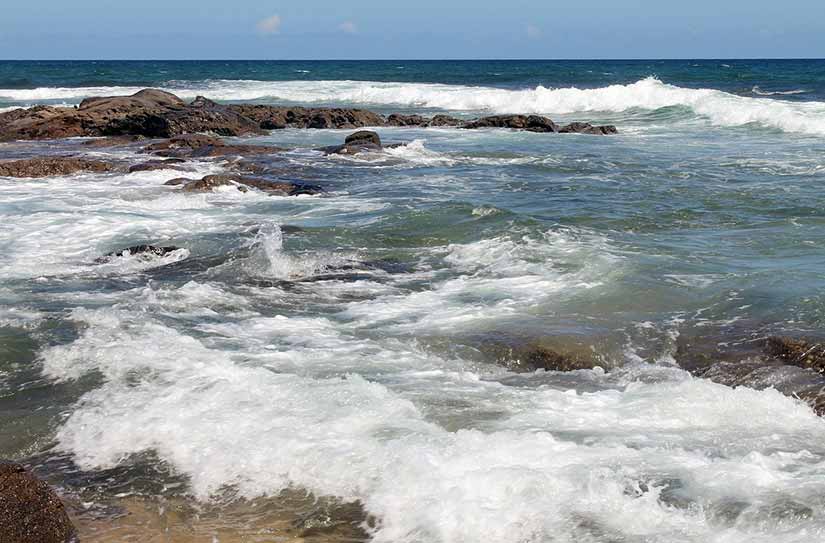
<point>200,146</point>
<point>30,511</point>
<point>150,113</point>
<point>406,120</point>
<point>152,165</point>
<point>444,120</point>
<point>52,166</point>
<point>242,183</point>
<point>796,352</point>
<point>363,137</point>
<point>279,117</point>
<point>524,355</point>
<point>587,128</point>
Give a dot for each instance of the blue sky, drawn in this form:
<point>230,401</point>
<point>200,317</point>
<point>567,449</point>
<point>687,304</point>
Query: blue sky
<point>406,29</point>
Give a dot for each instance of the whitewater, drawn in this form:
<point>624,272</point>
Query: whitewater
<point>348,366</point>
<point>649,94</point>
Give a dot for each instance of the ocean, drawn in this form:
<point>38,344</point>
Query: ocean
<point>319,366</point>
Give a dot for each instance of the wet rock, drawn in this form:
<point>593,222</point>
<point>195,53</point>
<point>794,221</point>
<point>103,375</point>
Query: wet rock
<point>51,166</point>
<point>113,141</point>
<point>278,117</point>
<point>178,181</point>
<point>243,183</point>
<point>523,355</point>
<point>150,113</point>
<point>532,123</point>
<point>363,137</point>
<point>152,165</point>
<point>30,511</point>
<point>587,128</point>
<point>363,140</point>
<point>200,146</point>
<point>139,250</point>
<point>797,352</point>
<point>444,120</point>
<point>397,119</point>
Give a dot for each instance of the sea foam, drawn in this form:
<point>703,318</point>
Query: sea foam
<point>720,108</point>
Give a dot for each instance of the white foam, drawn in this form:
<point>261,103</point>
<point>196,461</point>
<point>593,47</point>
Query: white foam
<point>719,107</point>
<point>553,464</point>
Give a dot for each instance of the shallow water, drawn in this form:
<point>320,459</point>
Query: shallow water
<point>335,345</point>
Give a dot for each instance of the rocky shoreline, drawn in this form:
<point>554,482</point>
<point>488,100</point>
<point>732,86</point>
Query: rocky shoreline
<point>153,113</point>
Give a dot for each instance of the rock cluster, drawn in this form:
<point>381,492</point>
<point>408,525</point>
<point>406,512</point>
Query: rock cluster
<point>154,113</point>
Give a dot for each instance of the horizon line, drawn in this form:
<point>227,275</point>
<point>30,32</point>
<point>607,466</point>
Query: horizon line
<point>514,59</point>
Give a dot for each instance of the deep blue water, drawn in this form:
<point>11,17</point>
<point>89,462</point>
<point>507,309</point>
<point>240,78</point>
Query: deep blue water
<point>736,76</point>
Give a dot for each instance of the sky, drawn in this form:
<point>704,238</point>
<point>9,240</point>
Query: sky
<point>411,29</point>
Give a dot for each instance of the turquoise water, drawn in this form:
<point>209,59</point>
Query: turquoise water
<point>335,344</point>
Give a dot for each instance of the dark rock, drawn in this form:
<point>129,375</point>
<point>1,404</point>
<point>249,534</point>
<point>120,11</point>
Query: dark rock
<point>30,511</point>
<point>179,181</point>
<point>200,146</point>
<point>51,166</point>
<point>150,113</point>
<point>532,123</point>
<point>520,355</point>
<point>242,183</point>
<point>444,120</point>
<point>363,137</point>
<point>406,120</point>
<point>278,117</point>
<point>153,165</point>
<point>796,352</point>
<point>587,128</point>
<point>141,250</point>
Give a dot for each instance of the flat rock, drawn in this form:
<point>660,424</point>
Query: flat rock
<point>153,165</point>
<point>201,146</point>
<point>51,166</point>
<point>587,128</point>
<point>551,354</point>
<point>30,511</point>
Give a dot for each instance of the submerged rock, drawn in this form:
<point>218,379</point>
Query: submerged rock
<point>529,355</point>
<point>30,511</point>
<point>797,352</point>
<point>51,166</point>
<point>140,250</point>
<point>587,128</point>
<point>243,183</point>
<point>201,146</point>
<point>152,165</point>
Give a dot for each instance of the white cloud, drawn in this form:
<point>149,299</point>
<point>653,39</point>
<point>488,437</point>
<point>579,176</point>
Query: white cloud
<point>270,25</point>
<point>533,32</point>
<point>348,27</point>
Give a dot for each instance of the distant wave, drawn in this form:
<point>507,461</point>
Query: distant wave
<point>720,108</point>
<point>756,90</point>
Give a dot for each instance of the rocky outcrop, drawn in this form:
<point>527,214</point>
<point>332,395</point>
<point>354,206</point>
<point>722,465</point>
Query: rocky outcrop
<point>150,112</point>
<point>587,128</point>
<point>157,114</point>
<point>278,117</point>
<point>201,146</point>
<point>358,142</point>
<point>51,166</point>
<point>30,511</point>
<point>244,183</point>
<point>532,123</point>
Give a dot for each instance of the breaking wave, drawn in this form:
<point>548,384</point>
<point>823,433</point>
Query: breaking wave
<point>720,108</point>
